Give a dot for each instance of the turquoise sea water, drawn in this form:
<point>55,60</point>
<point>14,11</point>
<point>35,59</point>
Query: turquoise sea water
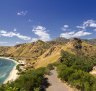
<point>6,65</point>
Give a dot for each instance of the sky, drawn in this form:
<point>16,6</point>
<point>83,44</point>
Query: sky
<point>23,21</point>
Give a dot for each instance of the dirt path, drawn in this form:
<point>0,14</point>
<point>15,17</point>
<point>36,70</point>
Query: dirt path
<point>93,72</point>
<point>56,84</point>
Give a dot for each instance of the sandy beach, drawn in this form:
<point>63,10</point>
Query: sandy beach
<point>13,74</point>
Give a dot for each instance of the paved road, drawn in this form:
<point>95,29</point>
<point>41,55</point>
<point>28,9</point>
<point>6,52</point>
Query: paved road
<point>56,84</point>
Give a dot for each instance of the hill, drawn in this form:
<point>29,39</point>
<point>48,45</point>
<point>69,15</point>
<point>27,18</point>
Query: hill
<point>92,41</point>
<point>26,51</point>
<point>42,53</point>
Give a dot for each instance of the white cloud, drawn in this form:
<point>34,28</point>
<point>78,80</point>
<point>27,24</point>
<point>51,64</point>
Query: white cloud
<point>74,34</point>
<point>22,13</point>
<point>41,32</point>
<point>17,42</point>
<point>82,30</point>
<point>13,34</point>
<point>88,24</point>
<point>34,39</point>
<point>3,31</point>
<point>81,27</point>
<point>65,27</point>
<point>2,42</point>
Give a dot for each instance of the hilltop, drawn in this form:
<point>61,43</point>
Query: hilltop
<point>42,53</point>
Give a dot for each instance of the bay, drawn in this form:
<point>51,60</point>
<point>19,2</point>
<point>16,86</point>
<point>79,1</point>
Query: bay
<point>6,66</point>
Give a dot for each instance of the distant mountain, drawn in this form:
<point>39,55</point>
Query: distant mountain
<point>59,40</point>
<point>92,41</point>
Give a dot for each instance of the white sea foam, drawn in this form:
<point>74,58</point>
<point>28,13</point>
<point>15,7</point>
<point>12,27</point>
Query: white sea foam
<point>3,75</point>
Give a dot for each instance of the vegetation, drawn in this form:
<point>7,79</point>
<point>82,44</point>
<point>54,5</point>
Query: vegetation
<point>75,64</point>
<point>75,71</point>
<point>50,66</point>
<point>18,67</point>
<point>31,80</point>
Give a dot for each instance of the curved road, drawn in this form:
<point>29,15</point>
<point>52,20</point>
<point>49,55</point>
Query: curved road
<point>56,84</point>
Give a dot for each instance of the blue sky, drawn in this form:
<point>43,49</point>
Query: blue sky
<point>29,20</point>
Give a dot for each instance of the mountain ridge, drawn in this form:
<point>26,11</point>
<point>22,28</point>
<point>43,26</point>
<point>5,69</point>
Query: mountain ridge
<point>42,53</point>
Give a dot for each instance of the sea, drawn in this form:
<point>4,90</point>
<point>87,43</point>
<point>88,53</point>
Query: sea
<point>6,66</point>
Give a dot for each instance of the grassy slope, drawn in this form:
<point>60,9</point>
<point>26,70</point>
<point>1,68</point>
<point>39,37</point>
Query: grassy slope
<point>27,51</point>
<point>52,56</point>
<point>87,50</point>
<point>43,53</point>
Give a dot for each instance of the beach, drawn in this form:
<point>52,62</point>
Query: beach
<point>13,74</point>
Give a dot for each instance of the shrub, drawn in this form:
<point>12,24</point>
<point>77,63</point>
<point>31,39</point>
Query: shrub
<point>75,71</point>
<point>50,67</point>
<point>31,80</point>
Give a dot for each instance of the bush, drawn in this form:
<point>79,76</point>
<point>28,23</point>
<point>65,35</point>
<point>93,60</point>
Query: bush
<point>18,67</point>
<point>31,80</point>
<point>50,67</point>
<point>75,71</point>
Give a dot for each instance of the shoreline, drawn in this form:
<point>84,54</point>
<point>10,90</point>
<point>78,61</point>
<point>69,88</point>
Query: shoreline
<point>13,73</point>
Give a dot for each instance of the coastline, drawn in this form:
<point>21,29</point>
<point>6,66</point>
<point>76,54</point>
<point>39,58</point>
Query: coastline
<point>13,73</point>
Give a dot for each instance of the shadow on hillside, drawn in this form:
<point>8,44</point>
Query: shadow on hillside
<point>44,85</point>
